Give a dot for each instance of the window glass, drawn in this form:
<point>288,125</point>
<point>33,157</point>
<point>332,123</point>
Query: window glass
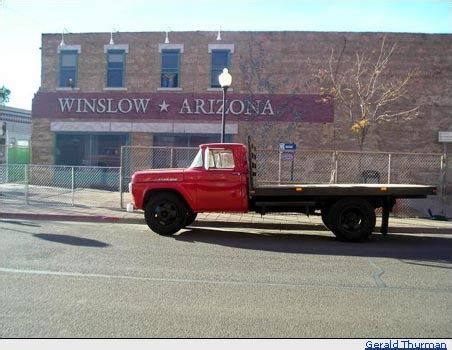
<point>221,159</point>
<point>197,162</point>
<point>220,60</point>
<point>170,68</point>
<point>68,60</point>
<point>89,149</point>
<point>115,68</point>
<point>68,68</point>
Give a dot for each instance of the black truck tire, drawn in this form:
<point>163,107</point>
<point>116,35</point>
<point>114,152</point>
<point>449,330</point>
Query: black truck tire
<point>165,213</point>
<point>190,218</point>
<point>352,219</point>
<point>324,213</point>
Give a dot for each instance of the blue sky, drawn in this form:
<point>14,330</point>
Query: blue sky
<point>23,21</point>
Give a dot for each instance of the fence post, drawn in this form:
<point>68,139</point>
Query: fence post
<point>389,168</point>
<point>73,184</point>
<point>171,157</point>
<point>336,161</point>
<point>121,164</point>
<point>26,176</point>
<point>279,167</point>
<point>443,175</point>
<point>120,186</point>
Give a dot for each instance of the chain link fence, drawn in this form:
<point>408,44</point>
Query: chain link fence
<point>315,167</point>
<point>311,167</point>
<point>108,187</point>
<point>59,185</point>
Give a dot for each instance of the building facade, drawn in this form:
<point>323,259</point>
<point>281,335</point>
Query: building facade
<point>100,91</point>
<point>15,133</point>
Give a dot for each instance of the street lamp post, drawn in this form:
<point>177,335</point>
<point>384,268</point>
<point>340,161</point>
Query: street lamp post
<point>225,80</point>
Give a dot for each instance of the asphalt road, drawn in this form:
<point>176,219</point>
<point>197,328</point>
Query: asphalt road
<point>68,279</point>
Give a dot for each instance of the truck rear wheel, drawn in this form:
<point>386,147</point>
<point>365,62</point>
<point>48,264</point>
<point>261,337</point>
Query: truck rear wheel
<point>165,213</point>
<point>325,215</point>
<point>352,219</point>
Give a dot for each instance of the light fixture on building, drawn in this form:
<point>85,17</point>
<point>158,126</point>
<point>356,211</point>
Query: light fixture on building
<point>62,43</point>
<point>111,39</point>
<point>219,35</point>
<point>225,80</point>
<point>166,38</point>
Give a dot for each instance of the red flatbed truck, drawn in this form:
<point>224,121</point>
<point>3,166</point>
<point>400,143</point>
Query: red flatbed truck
<point>222,179</point>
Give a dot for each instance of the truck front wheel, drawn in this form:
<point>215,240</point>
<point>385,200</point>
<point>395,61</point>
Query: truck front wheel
<point>190,218</point>
<point>165,214</point>
<point>352,219</point>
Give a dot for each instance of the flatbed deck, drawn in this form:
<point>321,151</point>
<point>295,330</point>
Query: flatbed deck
<point>327,190</point>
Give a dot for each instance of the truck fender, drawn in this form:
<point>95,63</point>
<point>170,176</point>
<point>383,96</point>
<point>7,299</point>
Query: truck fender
<point>189,202</point>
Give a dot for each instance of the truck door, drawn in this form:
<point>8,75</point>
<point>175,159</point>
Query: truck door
<point>219,186</point>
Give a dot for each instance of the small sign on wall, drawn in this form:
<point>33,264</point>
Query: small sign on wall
<point>445,136</point>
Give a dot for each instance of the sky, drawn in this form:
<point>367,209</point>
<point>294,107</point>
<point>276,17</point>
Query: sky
<point>23,21</point>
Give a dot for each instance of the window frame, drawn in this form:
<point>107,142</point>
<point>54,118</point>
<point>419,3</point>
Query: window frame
<point>123,77</point>
<point>228,51</point>
<point>177,71</point>
<point>74,68</point>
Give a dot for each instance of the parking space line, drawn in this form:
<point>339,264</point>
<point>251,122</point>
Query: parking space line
<point>218,282</point>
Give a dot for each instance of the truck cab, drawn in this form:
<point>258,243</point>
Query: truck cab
<point>216,181</point>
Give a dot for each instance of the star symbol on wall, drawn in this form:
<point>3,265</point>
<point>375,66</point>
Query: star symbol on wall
<point>164,106</point>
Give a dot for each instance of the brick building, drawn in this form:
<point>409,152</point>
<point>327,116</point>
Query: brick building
<point>100,91</point>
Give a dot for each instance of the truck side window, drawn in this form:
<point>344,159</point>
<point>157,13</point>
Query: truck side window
<point>221,159</point>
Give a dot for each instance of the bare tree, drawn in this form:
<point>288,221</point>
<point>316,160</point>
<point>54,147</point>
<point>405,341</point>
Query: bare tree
<point>366,96</point>
<point>4,95</point>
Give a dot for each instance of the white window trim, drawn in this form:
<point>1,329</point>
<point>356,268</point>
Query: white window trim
<point>115,89</point>
<point>124,47</point>
<point>179,47</point>
<point>170,89</point>
<point>212,47</point>
<point>219,89</point>
<point>77,48</point>
<point>67,89</point>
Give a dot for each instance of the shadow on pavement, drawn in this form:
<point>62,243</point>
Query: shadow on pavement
<point>23,223</point>
<point>71,240</point>
<point>409,247</point>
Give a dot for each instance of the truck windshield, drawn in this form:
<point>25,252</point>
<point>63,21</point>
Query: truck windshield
<point>197,162</point>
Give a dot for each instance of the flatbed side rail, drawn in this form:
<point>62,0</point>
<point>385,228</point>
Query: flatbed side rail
<point>252,156</point>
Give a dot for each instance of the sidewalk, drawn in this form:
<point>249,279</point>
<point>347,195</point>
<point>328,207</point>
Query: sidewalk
<point>11,210</point>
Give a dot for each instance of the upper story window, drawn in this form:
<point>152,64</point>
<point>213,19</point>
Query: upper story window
<point>220,60</point>
<point>170,69</point>
<point>116,60</point>
<point>68,68</point>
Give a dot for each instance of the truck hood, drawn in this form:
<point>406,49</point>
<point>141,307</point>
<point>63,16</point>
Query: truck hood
<point>159,175</point>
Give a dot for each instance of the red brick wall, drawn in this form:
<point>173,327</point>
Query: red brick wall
<point>278,63</point>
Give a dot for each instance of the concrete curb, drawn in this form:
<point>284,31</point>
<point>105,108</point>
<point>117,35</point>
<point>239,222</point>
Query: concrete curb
<point>207,223</point>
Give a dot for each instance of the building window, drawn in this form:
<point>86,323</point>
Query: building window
<point>170,68</point>
<point>115,68</point>
<point>220,60</point>
<point>68,68</point>
<point>89,149</point>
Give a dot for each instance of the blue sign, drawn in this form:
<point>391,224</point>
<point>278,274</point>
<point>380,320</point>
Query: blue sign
<point>287,146</point>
